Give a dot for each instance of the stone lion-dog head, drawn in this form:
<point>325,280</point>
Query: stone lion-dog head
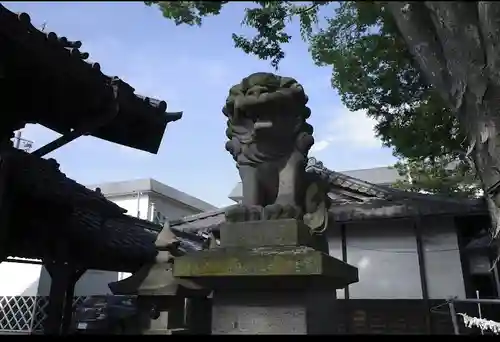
<point>266,114</point>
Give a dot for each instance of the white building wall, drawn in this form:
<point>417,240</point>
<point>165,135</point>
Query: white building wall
<point>335,248</point>
<point>171,209</point>
<point>93,282</point>
<point>386,257</point>
<point>33,280</point>
<point>19,279</point>
<point>134,204</point>
<point>385,253</point>
<point>442,258</point>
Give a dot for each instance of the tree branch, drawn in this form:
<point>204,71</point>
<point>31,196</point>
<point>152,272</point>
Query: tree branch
<point>305,10</point>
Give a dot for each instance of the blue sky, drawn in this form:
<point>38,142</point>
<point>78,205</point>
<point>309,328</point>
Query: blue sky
<point>192,69</point>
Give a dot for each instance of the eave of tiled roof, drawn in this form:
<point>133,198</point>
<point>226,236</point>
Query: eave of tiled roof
<point>119,244</point>
<point>371,191</point>
<point>141,120</point>
<point>84,226</point>
<point>201,221</point>
<point>41,178</point>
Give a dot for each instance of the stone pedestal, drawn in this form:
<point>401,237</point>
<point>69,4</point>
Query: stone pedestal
<point>273,312</point>
<point>168,314</point>
<point>269,277</point>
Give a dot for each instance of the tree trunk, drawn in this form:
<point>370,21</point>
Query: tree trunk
<point>457,46</point>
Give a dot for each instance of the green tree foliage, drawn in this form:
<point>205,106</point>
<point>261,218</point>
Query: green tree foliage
<point>441,175</point>
<point>268,18</point>
<point>372,71</point>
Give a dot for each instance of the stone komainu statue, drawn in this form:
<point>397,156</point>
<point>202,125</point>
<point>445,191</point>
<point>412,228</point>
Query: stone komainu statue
<point>269,139</point>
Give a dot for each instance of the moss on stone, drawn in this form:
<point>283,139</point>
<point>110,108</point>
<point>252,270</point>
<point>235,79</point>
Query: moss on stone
<point>255,262</point>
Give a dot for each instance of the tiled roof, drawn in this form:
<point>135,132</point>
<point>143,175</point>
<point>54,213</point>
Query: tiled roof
<point>375,209</point>
<point>119,244</point>
<point>201,221</point>
<point>379,209</point>
<point>355,199</point>
<point>141,121</point>
<point>344,189</point>
<point>125,242</point>
<point>41,179</point>
<point>52,213</point>
<point>365,191</point>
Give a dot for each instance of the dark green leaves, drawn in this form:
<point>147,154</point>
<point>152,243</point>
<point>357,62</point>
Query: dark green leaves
<point>188,12</point>
<point>270,21</point>
<point>439,176</point>
<point>268,18</point>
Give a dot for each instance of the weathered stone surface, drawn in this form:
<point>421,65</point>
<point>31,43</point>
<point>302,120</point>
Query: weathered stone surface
<point>264,267</point>
<point>258,313</point>
<point>273,312</point>
<point>269,139</point>
<point>287,232</point>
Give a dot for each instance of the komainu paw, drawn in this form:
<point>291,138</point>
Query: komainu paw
<point>243,213</point>
<point>278,211</point>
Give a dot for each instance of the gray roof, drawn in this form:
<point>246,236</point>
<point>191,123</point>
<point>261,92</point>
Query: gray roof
<point>356,199</point>
<point>150,185</point>
<point>345,189</point>
<point>376,209</point>
<point>200,221</point>
<point>98,233</point>
<point>380,209</point>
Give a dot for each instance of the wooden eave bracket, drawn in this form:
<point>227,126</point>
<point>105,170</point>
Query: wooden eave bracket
<point>85,129</point>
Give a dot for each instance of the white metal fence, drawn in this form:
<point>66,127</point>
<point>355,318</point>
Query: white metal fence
<point>25,314</point>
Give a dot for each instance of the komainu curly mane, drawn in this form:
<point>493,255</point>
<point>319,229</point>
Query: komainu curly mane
<point>265,98</point>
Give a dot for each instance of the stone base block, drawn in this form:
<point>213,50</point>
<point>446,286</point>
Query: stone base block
<point>286,232</point>
<point>284,312</point>
<point>265,267</point>
<point>269,277</point>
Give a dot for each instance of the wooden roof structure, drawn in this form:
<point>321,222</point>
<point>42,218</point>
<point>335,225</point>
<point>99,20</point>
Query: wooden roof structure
<point>53,217</point>
<point>46,80</point>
